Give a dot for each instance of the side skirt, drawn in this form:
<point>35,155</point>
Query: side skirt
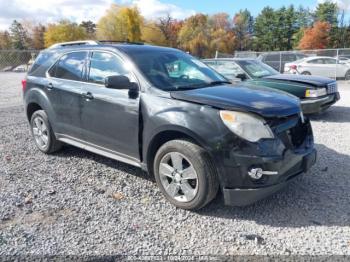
<point>99,150</point>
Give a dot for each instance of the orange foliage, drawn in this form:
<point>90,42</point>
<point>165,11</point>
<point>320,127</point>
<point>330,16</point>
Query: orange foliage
<point>316,37</point>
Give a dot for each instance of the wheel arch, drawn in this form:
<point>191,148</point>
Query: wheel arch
<point>36,99</point>
<point>160,137</point>
<point>31,108</point>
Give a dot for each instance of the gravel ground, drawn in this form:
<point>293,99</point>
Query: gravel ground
<point>75,202</point>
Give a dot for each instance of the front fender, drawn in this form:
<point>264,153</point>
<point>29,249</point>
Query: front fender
<point>199,122</point>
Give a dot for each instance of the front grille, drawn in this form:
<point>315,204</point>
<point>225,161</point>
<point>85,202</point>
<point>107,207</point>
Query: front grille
<point>332,88</point>
<point>291,130</point>
<point>278,125</point>
<point>298,134</point>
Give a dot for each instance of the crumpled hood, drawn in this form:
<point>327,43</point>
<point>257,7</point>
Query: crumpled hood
<point>266,102</point>
<point>316,81</point>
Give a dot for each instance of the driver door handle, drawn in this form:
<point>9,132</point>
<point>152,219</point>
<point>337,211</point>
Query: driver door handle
<point>87,96</point>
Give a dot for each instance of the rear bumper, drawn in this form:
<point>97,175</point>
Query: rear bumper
<point>247,196</point>
<point>313,106</point>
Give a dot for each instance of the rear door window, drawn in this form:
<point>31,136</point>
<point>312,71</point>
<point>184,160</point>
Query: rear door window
<point>70,66</point>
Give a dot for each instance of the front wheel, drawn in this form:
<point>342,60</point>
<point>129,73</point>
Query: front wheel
<point>347,75</point>
<point>185,174</point>
<point>306,73</point>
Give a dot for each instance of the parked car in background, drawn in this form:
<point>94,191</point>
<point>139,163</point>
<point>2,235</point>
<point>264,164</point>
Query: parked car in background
<point>316,93</point>
<point>343,59</point>
<point>20,68</point>
<point>320,66</point>
<point>278,60</point>
<point>167,112</point>
<point>7,69</point>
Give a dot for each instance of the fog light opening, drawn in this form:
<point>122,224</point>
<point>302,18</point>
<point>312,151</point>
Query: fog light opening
<point>257,173</point>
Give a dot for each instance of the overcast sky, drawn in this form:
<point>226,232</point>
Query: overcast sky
<point>78,10</point>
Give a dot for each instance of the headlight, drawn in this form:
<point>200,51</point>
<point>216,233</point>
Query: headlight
<point>316,92</point>
<point>247,126</point>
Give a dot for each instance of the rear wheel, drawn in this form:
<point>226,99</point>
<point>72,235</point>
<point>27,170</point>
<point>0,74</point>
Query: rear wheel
<point>44,137</point>
<point>185,174</point>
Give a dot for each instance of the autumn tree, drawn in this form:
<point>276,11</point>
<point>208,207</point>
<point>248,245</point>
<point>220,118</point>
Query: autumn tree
<point>170,28</point>
<point>90,29</point>
<point>38,37</point>
<point>120,24</point>
<point>194,35</point>
<point>152,34</point>
<point>222,37</point>
<point>5,40</point>
<point>316,37</point>
<point>133,18</point>
<point>62,32</point>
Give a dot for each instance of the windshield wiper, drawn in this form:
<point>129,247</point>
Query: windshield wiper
<point>214,83</point>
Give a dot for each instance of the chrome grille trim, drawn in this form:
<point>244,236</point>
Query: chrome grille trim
<point>332,88</point>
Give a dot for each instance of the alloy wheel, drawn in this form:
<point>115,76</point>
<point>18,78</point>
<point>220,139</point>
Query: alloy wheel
<point>178,177</point>
<point>40,132</point>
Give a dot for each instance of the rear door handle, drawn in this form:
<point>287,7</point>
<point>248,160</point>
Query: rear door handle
<point>87,96</point>
<point>50,86</point>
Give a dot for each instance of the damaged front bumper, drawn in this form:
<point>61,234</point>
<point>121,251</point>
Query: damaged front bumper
<point>280,160</point>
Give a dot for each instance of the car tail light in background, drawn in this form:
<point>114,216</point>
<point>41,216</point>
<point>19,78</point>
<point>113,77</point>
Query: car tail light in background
<point>293,67</point>
<point>24,84</point>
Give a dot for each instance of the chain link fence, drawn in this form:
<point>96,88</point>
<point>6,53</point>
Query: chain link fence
<point>334,63</point>
<point>17,60</point>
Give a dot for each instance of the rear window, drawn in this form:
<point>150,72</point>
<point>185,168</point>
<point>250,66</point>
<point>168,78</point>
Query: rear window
<point>70,66</point>
<point>228,69</point>
<point>289,57</point>
<point>272,57</point>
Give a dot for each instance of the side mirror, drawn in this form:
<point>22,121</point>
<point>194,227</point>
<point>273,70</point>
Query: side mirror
<point>119,82</point>
<point>242,76</point>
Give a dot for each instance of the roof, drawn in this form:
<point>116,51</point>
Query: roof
<point>123,46</point>
<point>230,59</point>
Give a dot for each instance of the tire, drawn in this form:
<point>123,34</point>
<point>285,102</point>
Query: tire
<point>185,174</point>
<point>347,75</point>
<point>306,73</point>
<point>43,135</point>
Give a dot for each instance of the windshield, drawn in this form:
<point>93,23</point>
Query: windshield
<point>172,70</point>
<point>256,69</point>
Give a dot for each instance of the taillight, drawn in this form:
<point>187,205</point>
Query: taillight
<point>294,67</point>
<point>24,84</point>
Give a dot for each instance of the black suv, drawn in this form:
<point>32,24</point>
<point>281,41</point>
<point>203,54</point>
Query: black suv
<point>167,112</point>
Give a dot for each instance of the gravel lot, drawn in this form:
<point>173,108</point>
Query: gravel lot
<point>75,202</point>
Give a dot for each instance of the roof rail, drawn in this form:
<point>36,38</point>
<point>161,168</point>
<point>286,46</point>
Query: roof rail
<point>119,42</point>
<point>74,43</point>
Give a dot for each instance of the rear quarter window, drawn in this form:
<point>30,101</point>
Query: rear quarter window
<point>42,63</point>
